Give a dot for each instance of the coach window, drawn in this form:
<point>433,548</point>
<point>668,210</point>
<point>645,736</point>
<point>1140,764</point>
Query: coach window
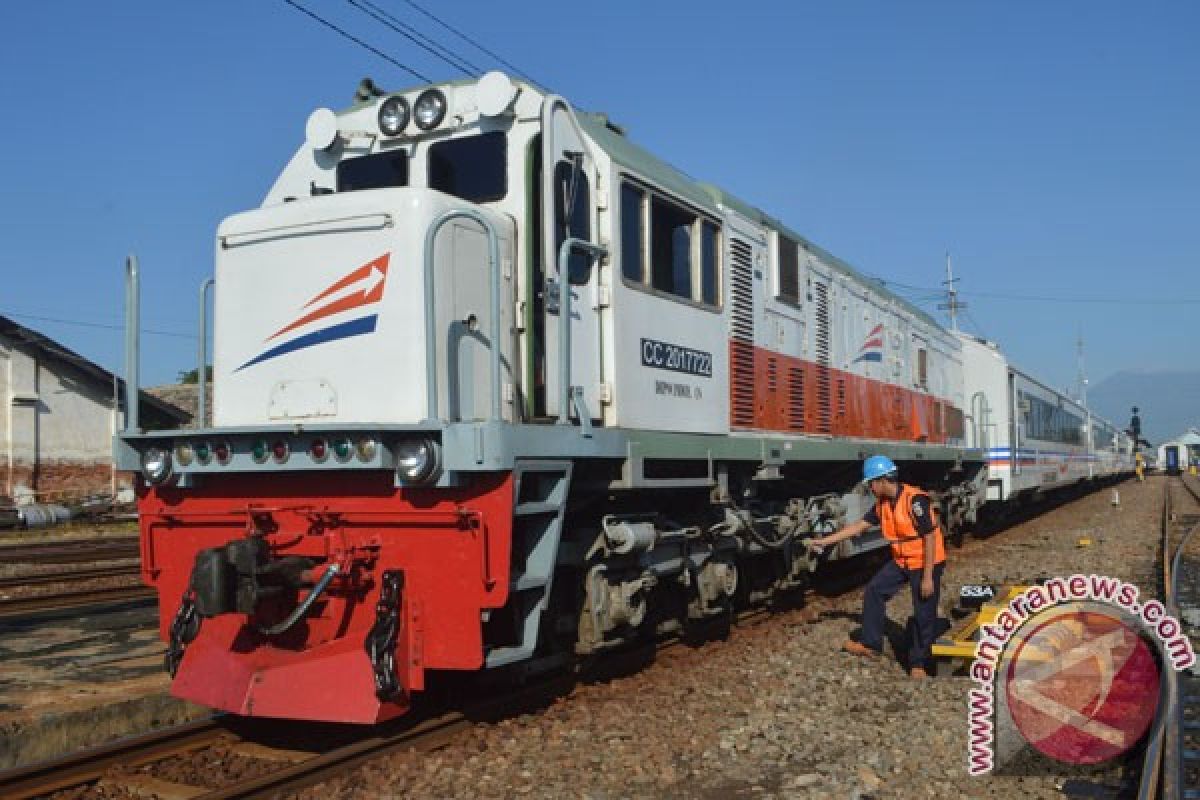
<point>789,270</point>
<point>633,257</point>
<point>474,168</point>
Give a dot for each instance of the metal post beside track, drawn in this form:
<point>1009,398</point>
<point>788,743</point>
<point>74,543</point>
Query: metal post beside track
<point>133,302</point>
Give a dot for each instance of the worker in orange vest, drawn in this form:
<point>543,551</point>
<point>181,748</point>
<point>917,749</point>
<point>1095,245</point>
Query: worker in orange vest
<point>906,517</point>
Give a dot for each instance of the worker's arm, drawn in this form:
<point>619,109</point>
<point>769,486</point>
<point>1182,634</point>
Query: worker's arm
<point>848,532</point>
<point>922,514</point>
<point>927,570</point>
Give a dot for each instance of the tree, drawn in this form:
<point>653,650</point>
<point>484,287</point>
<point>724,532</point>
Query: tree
<point>193,375</point>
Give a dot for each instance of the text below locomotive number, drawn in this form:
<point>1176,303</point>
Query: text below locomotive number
<point>673,357</point>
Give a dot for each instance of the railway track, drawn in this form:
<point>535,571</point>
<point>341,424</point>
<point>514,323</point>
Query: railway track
<point>130,765</point>
<point>21,606</point>
<point>138,765</point>
<point>1171,766</point>
<point>74,575</point>
<point>70,552</point>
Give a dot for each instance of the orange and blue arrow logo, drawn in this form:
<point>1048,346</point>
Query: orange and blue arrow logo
<point>872,348</point>
<point>359,289</point>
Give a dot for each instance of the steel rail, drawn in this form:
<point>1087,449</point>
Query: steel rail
<point>70,552</point>
<point>1162,766</point>
<point>1175,754</point>
<point>423,735</point>
<point>74,575</point>
<point>1151,773</point>
<point>91,764</point>
<point>21,606</point>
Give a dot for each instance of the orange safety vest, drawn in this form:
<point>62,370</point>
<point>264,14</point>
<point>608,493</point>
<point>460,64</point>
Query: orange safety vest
<point>908,546</point>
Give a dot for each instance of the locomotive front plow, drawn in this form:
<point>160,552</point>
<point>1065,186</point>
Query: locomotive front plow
<point>323,610</point>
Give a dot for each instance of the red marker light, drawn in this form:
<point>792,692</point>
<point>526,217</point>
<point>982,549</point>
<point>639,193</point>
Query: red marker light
<point>221,451</point>
<point>318,450</point>
<point>280,451</point>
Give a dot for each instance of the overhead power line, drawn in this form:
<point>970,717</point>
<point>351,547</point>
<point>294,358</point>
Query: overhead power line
<point>416,37</point>
<point>467,38</point>
<point>1146,301</point>
<point>358,41</point>
<point>105,326</point>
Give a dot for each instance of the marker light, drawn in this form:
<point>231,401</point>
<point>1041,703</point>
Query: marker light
<point>260,451</point>
<point>430,109</point>
<point>318,450</point>
<point>203,452</point>
<point>156,465</point>
<point>279,451</point>
<point>393,115</point>
<point>223,452</point>
<point>342,450</point>
<point>366,449</point>
<point>184,454</point>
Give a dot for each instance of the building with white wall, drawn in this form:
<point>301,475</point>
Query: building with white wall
<point>59,415</point>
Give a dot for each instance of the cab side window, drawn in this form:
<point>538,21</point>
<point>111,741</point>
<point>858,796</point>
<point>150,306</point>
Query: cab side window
<point>669,248</point>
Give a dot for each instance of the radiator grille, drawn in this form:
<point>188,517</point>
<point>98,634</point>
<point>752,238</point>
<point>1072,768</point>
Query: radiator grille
<point>795,408</point>
<point>824,412</point>
<point>741,351</point>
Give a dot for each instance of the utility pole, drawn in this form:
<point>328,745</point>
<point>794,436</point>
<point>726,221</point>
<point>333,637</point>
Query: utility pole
<point>1081,379</point>
<point>952,304</point>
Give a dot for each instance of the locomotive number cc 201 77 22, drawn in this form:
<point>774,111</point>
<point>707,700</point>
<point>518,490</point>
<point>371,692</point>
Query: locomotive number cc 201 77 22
<point>673,357</point>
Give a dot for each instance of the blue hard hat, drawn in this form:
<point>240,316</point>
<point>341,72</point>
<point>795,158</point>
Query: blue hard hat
<point>876,467</point>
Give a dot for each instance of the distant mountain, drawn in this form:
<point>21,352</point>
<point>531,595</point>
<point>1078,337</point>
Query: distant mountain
<point>1169,401</point>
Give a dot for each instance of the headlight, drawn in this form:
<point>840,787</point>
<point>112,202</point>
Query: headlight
<point>393,115</point>
<point>156,464</point>
<point>416,460</point>
<point>429,109</point>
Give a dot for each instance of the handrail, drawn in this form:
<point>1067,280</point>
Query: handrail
<point>202,371</point>
<point>564,327</point>
<point>431,393</point>
<point>133,302</point>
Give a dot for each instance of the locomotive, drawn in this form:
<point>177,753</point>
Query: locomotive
<point>494,388</point>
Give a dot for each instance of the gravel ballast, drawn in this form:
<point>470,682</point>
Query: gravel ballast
<point>776,710</point>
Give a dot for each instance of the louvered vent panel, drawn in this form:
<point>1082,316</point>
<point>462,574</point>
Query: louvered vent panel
<point>795,408</point>
<point>824,412</point>
<point>841,397</point>
<point>741,351</point>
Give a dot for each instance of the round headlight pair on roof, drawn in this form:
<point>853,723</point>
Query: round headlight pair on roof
<point>428,112</point>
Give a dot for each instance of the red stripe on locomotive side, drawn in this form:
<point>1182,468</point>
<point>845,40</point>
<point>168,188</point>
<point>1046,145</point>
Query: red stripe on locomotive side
<point>799,396</point>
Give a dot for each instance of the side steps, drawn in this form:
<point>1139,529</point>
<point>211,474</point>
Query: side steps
<point>540,491</point>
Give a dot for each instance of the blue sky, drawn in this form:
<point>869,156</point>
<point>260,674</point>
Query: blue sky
<point>1050,145</point>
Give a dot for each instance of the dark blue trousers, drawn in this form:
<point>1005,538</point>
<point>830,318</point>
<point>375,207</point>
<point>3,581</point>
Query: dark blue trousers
<point>889,580</point>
